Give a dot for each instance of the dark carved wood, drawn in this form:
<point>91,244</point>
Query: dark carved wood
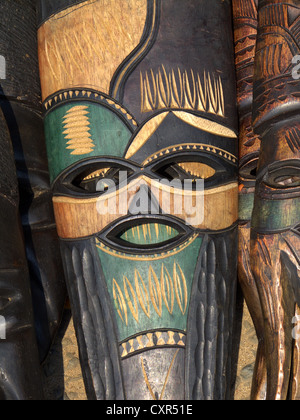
<point>19,362</point>
<point>275,244</point>
<point>20,100</point>
<point>245,35</point>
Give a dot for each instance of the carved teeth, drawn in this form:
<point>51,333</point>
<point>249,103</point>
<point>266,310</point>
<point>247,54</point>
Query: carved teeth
<point>96,174</point>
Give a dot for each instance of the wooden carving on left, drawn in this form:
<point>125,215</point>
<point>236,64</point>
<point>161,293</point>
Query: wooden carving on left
<point>136,92</point>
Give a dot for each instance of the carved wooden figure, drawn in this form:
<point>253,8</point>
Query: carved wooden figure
<point>19,362</point>
<point>134,92</point>
<point>20,101</point>
<point>32,287</point>
<point>275,242</point>
<point>245,34</point>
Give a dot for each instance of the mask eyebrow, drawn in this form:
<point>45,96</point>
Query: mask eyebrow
<point>145,133</point>
<point>150,127</point>
<point>192,147</point>
<point>205,124</point>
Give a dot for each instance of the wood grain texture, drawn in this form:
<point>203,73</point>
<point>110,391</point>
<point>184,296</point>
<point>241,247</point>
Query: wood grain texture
<point>275,264</point>
<point>277,44</point>
<point>18,46</point>
<point>91,216</point>
<point>275,241</point>
<point>84,45</point>
<point>245,35</point>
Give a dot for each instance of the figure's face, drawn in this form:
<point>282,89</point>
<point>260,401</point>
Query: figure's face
<point>148,205</point>
<point>144,173</point>
<point>153,188</point>
<point>171,166</point>
<point>276,218</point>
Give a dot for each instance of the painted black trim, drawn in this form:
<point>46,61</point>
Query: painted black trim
<point>135,57</point>
<point>108,236</point>
<point>48,8</point>
<point>69,96</point>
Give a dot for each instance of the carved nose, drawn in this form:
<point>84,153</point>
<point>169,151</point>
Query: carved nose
<point>144,202</point>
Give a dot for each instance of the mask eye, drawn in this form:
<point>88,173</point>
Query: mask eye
<point>283,178</point>
<point>197,170</point>
<point>186,170</point>
<point>288,181</point>
<point>99,179</point>
<point>249,170</point>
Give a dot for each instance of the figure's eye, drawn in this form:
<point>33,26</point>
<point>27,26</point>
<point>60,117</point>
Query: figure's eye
<point>249,170</point>
<point>186,170</point>
<point>287,181</point>
<point>197,169</point>
<point>282,178</point>
<point>97,180</point>
<point>100,180</point>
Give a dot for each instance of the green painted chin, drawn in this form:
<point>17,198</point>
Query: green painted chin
<point>148,234</point>
<point>150,292</point>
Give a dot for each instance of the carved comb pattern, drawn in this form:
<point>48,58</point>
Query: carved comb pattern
<point>277,44</point>
<point>244,9</point>
<point>182,90</point>
<point>245,32</point>
<point>295,30</point>
<point>271,57</point>
<point>275,14</point>
<point>151,340</point>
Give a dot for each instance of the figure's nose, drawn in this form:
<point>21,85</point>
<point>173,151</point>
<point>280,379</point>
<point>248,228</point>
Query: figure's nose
<point>143,202</point>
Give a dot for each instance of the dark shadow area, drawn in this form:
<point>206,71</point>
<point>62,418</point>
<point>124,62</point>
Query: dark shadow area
<point>237,338</point>
<point>26,198</point>
<point>53,368</point>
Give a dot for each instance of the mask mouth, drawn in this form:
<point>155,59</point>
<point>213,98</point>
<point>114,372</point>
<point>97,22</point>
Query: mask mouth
<point>146,233</point>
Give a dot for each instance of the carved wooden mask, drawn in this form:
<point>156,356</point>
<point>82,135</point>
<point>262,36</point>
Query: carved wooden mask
<point>136,92</point>
<point>275,244</point>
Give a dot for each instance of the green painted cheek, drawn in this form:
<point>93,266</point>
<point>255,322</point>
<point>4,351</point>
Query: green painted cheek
<point>83,130</point>
<point>273,215</point>
<point>150,292</point>
<point>246,202</point>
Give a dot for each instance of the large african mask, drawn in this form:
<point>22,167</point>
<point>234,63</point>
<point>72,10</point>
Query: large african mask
<point>136,92</point>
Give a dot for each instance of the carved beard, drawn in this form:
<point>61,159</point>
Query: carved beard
<point>190,363</point>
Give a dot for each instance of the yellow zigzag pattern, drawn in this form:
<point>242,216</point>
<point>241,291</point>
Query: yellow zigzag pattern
<point>159,291</point>
<point>76,125</point>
